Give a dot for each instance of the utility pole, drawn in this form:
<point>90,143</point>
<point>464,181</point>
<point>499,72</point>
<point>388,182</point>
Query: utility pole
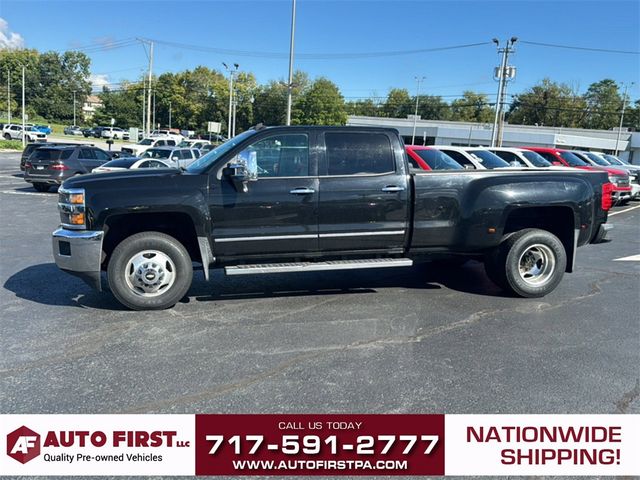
<point>24,113</point>
<point>169,115</point>
<point>503,74</point>
<point>8,96</point>
<point>291,44</point>
<point>154,110</point>
<point>231,129</point>
<point>415,115</point>
<point>144,109</point>
<point>149,93</point>
<point>624,104</point>
<point>74,108</point>
<point>235,107</point>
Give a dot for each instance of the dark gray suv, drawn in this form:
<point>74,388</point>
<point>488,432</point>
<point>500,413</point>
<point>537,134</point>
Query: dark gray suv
<point>48,166</point>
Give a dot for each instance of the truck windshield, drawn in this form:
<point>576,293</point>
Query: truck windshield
<point>438,160</point>
<point>146,141</point>
<point>210,158</point>
<point>572,159</point>
<point>536,159</point>
<point>488,159</point>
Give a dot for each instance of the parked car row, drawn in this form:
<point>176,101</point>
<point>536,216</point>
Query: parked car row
<point>625,178</point>
<point>50,164</point>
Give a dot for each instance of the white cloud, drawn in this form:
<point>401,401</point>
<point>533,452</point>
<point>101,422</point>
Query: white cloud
<point>9,40</point>
<point>98,80</point>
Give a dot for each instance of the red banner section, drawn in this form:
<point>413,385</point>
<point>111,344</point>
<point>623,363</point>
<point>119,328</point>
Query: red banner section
<point>320,444</point>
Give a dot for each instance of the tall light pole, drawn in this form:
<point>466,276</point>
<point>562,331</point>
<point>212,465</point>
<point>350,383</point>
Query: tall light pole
<point>232,72</point>
<point>24,113</point>
<point>415,115</point>
<point>74,108</point>
<point>291,44</point>
<point>624,104</point>
<point>169,115</point>
<point>503,74</point>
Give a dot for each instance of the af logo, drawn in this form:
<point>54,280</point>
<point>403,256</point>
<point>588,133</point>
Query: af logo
<point>23,444</point>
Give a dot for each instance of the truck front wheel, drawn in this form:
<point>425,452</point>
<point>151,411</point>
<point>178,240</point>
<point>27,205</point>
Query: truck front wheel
<point>149,271</point>
<point>529,263</point>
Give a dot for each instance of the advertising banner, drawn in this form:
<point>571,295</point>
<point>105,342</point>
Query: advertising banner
<point>322,444</point>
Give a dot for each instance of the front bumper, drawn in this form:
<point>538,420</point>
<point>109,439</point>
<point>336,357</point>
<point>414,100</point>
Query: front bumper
<point>79,252</point>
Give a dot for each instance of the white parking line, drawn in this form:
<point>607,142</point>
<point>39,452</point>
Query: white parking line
<point>27,193</point>
<point>623,211</point>
<point>631,258</point>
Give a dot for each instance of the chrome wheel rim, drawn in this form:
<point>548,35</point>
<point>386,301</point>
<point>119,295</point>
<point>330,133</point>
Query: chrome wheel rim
<point>150,273</point>
<point>537,264</point>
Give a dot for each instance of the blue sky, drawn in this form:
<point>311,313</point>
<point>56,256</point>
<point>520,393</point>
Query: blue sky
<point>325,27</point>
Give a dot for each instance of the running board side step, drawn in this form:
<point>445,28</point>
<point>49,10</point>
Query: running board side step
<point>318,266</point>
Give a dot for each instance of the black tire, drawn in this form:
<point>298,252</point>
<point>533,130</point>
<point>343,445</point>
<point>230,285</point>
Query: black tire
<point>41,187</point>
<point>509,268</point>
<point>173,259</point>
<point>7,136</point>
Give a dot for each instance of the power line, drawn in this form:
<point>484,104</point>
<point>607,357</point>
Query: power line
<point>312,56</point>
<point>588,49</point>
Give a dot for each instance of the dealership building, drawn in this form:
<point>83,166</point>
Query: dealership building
<point>440,132</point>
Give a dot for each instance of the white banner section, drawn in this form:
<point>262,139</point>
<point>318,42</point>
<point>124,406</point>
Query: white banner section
<point>97,445</point>
<point>542,445</point>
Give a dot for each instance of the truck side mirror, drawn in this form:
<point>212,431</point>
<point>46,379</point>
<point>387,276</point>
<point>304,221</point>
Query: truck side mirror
<point>241,172</point>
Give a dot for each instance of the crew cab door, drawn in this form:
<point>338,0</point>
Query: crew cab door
<point>364,192</point>
<point>278,214</point>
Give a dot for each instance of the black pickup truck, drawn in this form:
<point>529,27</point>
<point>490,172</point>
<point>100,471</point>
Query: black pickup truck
<point>301,199</point>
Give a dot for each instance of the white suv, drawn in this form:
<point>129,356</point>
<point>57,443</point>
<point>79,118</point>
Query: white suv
<point>135,150</point>
<point>13,131</point>
<point>115,133</point>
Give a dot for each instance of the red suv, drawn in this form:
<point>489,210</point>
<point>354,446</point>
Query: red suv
<point>619,178</point>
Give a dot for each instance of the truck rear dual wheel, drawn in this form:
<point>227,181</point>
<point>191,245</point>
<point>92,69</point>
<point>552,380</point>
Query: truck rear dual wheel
<point>529,263</point>
<point>149,271</point>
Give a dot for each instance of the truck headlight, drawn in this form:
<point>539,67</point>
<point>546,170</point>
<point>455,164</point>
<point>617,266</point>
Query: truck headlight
<point>71,204</point>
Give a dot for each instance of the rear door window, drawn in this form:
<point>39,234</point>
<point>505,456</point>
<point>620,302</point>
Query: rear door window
<point>87,154</point>
<point>358,153</point>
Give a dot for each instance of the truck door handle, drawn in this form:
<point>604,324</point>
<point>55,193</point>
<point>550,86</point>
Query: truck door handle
<point>392,188</point>
<point>302,191</point>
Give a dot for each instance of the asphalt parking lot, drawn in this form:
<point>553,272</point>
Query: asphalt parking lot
<point>419,340</point>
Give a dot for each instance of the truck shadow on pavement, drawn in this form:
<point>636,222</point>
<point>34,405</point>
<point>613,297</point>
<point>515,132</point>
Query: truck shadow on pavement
<point>469,278</point>
<point>46,284</point>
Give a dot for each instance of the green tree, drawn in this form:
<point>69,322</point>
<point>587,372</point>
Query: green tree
<point>123,105</point>
<point>604,103</point>
<point>548,103</point>
<point>270,105</point>
<point>472,107</point>
<point>365,108</point>
<point>398,103</point>
<point>321,104</point>
<point>432,107</point>
<point>632,116</point>
<point>50,80</point>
